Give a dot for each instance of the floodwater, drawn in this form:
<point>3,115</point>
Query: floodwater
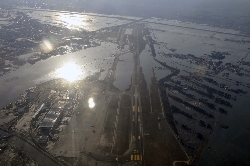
<point>184,46</point>
<point>89,62</point>
<point>123,72</point>
<point>39,157</point>
<point>225,145</point>
<point>77,21</point>
<point>123,75</point>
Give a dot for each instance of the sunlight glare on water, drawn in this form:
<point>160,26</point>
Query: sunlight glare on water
<point>91,103</point>
<point>70,71</point>
<point>74,21</point>
<point>46,46</point>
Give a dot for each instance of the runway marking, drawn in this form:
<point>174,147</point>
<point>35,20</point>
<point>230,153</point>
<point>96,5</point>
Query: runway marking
<point>135,157</point>
<point>159,126</point>
<point>138,109</point>
<point>138,157</point>
<point>133,108</point>
<point>138,119</point>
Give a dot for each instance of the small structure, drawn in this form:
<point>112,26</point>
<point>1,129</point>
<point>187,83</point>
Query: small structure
<point>47,102</point>
<point>38,112</point>
<point>69,105</point>
<point>3,146</point>
<point>72,94</point>
<point>2,62</point>
<point>6,69</point>
<point>54,137</point>
<point>4,134</point>
<point>21,102</point>
<point>43,140</point>
<point>128,31</point>
<point>31,95</point>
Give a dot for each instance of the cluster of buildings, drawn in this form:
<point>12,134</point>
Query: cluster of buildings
<point>51,120</point>
<point>49,115</point>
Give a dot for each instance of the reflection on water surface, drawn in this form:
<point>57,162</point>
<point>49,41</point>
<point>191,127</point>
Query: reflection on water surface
<point>70,71</point>
<point>91,103</point>
<point>73,21</point>
<point>46,46</point>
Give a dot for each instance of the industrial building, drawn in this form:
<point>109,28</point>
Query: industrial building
<point>51,120</point>
<point>38,112</point>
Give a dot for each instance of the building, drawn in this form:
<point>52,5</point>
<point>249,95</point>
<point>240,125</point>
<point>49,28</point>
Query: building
<point>47,102</point>
<point>38,112</point>
<point>129,31</point>
<point>2,62</point>
<point>4,134</point>
<point>72,94</point>
<point>51,120</point>
<point>43,140</point>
